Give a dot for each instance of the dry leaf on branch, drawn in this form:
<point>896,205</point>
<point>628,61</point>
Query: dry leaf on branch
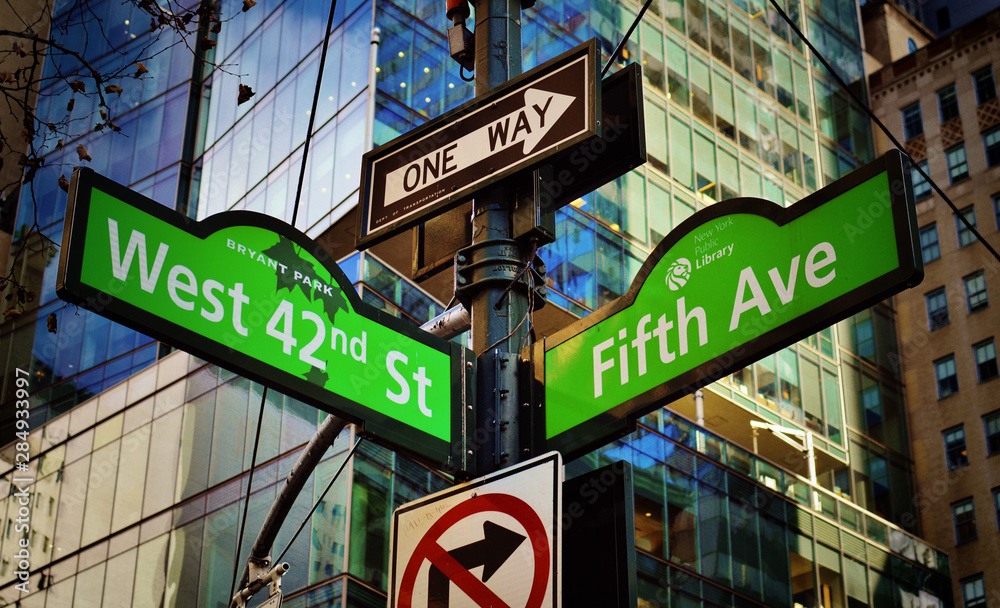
<point>19,48</point>
<point>63,183</point>
<point>113,88</point>
<point>11,312</point>
<point>52,323</point>
<point>104,115</point>
<point>78,86</point>
<point>59,145</point>
<point>248,4</point>
<point>245,94</point>
<point>216,27</point>
<point>139,69</point>
<point>207,43</point>
<point>71,104</point>
<point>82,153</point>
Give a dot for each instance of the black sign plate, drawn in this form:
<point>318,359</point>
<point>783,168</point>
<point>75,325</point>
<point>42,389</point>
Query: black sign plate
<point>513,128</point>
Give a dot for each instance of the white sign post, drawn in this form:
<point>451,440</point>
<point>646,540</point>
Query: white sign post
<point>492,542</point>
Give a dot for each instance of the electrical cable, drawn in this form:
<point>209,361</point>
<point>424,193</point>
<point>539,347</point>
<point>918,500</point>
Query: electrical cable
<point>885,129</point>
<point>295,213</point>
<point>621,44</point>
<point>246,505</point>
<point>312,113</point>
<point>319,500</point>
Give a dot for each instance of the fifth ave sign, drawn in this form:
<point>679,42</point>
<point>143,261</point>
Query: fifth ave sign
<point>513,128</point>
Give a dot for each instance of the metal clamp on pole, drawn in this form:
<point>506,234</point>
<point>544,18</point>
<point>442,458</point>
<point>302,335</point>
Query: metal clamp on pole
<point>497,262</point>
<point>258,580</point>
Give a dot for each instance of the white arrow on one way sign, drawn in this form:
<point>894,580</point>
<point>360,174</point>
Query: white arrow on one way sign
<point>529,124</point>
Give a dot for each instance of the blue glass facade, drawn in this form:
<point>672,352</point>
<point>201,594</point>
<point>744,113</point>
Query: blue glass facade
<point>145,453</point>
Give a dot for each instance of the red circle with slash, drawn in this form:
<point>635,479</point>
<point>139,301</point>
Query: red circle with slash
<point>429,549</point>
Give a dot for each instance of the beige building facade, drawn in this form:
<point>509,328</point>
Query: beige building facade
<point>941,102</point>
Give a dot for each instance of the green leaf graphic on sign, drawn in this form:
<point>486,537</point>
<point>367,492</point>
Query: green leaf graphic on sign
<point>317,377</point>
<point>299,276</point>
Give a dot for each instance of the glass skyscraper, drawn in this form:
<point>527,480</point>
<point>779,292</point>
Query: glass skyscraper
<point>143,454</point>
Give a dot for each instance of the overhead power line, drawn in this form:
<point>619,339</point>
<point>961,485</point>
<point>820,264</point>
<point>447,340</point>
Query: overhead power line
<point>881,125</point>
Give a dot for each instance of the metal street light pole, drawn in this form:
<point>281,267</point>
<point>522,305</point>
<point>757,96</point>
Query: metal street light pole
<point>499,324</point>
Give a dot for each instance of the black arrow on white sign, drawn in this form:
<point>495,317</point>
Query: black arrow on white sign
<point>496,547</point>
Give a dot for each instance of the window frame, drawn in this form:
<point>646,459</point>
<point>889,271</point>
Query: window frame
<point>992,151</point>
<point>937,363</point>
<point>975,357</point>
<point>965,502</point>
<point>996,504</point>
<point>932,314</point>
<point>985,303</point>
<point>979,601</point>
<point>949,103</point>
<point>965,235</point>
<point>977,84</point>
<point>959,170</point>
<point>992,417</point>
<point>996,209</point>
<point>908,121</point>
<point>955,456</point>
<point>937,240</point>
<point>918,180</point>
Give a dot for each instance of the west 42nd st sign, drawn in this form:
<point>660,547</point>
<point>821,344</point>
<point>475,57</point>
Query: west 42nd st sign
<point>254,295</point>
<point>733,283</point>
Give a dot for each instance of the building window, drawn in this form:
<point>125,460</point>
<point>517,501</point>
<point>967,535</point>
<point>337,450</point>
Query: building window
<point>973,592</point>
<point>996,209</point>
<point>986,360</point>
<point>958,164</point>
<point>930,249</point>
<point>913,123</point>
<point>937,308</point>
<point>965,235</point>
<point>975,291</point>
<point>986,88</point>
<point>948,103</point>
<point>947,376</point>
<point>911,46</point>
<point>921,186</point>
<point>955,454</point>
<point>991,141</point>
<point>991,422</point>
<point>996,505</point>
<point>964,512</point>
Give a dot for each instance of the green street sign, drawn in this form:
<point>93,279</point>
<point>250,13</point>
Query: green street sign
<point>733,283</point>
<point>256,296</point>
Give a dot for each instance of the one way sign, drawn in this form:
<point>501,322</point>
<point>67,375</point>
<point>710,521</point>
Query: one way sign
<point>510,129</point>
<point>489,543</point>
